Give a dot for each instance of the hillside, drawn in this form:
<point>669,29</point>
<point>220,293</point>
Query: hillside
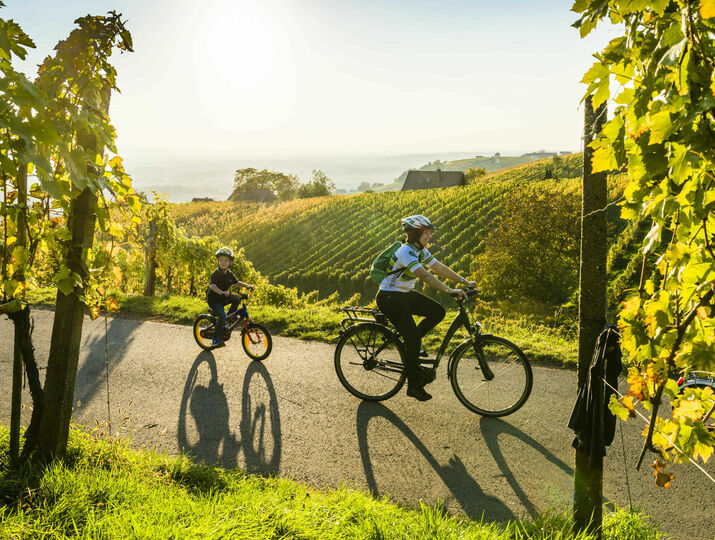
<point>497,163</point>
<point>327,244</point>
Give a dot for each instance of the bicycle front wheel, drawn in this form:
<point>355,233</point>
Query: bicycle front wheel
<point>256,341</point>
<point>502,395</point>
<point>369,362</point>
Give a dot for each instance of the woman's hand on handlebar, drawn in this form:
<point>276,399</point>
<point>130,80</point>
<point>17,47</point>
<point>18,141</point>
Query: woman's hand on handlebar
<point>459,294</point>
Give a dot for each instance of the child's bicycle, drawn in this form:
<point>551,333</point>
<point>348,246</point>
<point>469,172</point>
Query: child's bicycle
<point>490,375</point>
<point>255,338</point>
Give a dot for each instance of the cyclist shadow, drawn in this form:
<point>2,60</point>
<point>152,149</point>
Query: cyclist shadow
<point>262,447</point>
<point>475,503</point>
<point>491,429</point>
<point>208,405</point>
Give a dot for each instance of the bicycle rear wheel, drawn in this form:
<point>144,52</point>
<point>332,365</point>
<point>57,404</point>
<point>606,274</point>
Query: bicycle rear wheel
<point>204,331</point>
<point>256,341</point>
<point>506,392</point>
<point>369,362</point>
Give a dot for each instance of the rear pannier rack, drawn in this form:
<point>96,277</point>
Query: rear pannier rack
<point>361,314</point>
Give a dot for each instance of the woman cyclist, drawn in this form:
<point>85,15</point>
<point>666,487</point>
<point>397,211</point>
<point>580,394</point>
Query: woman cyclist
<point>398,300</point>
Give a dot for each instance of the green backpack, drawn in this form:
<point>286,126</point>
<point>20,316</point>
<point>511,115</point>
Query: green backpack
<point>378,269</point>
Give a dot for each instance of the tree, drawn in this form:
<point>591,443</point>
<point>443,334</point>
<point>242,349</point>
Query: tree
<point>663,128</point>
<point>532,252</point>
<point>319,186</point>
<point>364,186</point>
<point>473,175</point>
<point>57,126</point>
<point>83,73</point>
<point>283,186</point>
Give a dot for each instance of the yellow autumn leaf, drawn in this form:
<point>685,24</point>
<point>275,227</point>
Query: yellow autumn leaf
<point>707,9</point>
<point>112,305</point>
<point>628,404</point>
<point>687,409</point>
<point>703,312</point>
<point>637,386</point>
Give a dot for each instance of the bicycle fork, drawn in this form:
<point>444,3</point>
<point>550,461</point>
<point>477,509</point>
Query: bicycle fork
<point>479,351</point>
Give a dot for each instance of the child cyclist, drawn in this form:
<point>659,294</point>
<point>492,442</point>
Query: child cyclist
<point>218,295</point>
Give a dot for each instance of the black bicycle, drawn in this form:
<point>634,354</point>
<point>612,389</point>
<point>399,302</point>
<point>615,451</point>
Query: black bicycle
<point>490,375</point>
<point>255,338</point>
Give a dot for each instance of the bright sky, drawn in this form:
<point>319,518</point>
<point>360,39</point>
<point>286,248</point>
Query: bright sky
<point>237,78</point>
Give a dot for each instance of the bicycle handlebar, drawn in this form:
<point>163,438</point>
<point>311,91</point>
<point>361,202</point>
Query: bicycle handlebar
<point>239,296</point>
<point>471,291</point>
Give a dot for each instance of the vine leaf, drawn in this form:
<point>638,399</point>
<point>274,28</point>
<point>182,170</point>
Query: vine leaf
<point>707,9</point>
<point>662,479</point>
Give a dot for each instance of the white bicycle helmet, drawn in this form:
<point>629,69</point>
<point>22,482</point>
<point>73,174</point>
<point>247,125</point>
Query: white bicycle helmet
<point>225,250</point>
<point>416,222</point>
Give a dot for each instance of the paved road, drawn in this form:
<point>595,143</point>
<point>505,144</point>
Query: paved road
<point>291,417</point>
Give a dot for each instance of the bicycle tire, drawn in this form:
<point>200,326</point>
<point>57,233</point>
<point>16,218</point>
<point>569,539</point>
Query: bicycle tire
<point>363,375</point>
<point>256,341</point>
<point>500,396</point>
<point>202,331</point>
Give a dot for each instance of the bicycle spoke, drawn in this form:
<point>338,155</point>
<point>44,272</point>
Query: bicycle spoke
<point>368,362</point>
<point>506,391</point>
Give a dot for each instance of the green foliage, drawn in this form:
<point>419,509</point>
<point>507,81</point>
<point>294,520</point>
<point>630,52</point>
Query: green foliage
<point>106,490</point>
<point>283,186</point>
<point>49,126</point>
<point>473,175</point>
<point>663,128</point>
<point>532,251</point>
<point>319,186</point>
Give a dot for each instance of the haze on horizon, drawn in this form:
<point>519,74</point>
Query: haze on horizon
<point>241,79</point>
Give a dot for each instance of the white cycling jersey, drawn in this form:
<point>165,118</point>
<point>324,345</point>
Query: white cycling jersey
<point>410,258</point>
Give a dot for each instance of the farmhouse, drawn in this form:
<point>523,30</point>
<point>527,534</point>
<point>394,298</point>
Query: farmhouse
<point>432,179</point>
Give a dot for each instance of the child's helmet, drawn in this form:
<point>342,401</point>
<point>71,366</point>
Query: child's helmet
<point>416,222</point>
<point>225,250</point>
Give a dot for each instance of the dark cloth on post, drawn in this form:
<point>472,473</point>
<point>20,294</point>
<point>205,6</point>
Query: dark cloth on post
<point>591,419</point>
<point>223,282</point>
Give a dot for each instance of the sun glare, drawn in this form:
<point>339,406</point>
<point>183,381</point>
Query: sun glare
<point>240,46</point>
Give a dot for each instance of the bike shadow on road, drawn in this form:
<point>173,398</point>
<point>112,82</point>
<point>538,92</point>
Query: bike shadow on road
<point>92,374</point>
<point>470,496</point>
<point>492,429</point>
<point>213,442</point>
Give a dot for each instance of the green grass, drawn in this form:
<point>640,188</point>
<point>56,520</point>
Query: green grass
<point>320,321</point>
<point>105,490</point>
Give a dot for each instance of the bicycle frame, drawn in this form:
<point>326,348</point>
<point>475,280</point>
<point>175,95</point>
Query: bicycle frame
<point>241,317</point>
<point>461,319</point>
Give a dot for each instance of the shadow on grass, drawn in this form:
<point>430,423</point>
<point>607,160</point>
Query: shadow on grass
<point>475,503</point>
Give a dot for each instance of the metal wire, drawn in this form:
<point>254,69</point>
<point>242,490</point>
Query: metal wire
<point>647,421</point>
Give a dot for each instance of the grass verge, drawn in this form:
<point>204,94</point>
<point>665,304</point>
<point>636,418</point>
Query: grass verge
<point>321,322</point>
<point>103,489</point>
